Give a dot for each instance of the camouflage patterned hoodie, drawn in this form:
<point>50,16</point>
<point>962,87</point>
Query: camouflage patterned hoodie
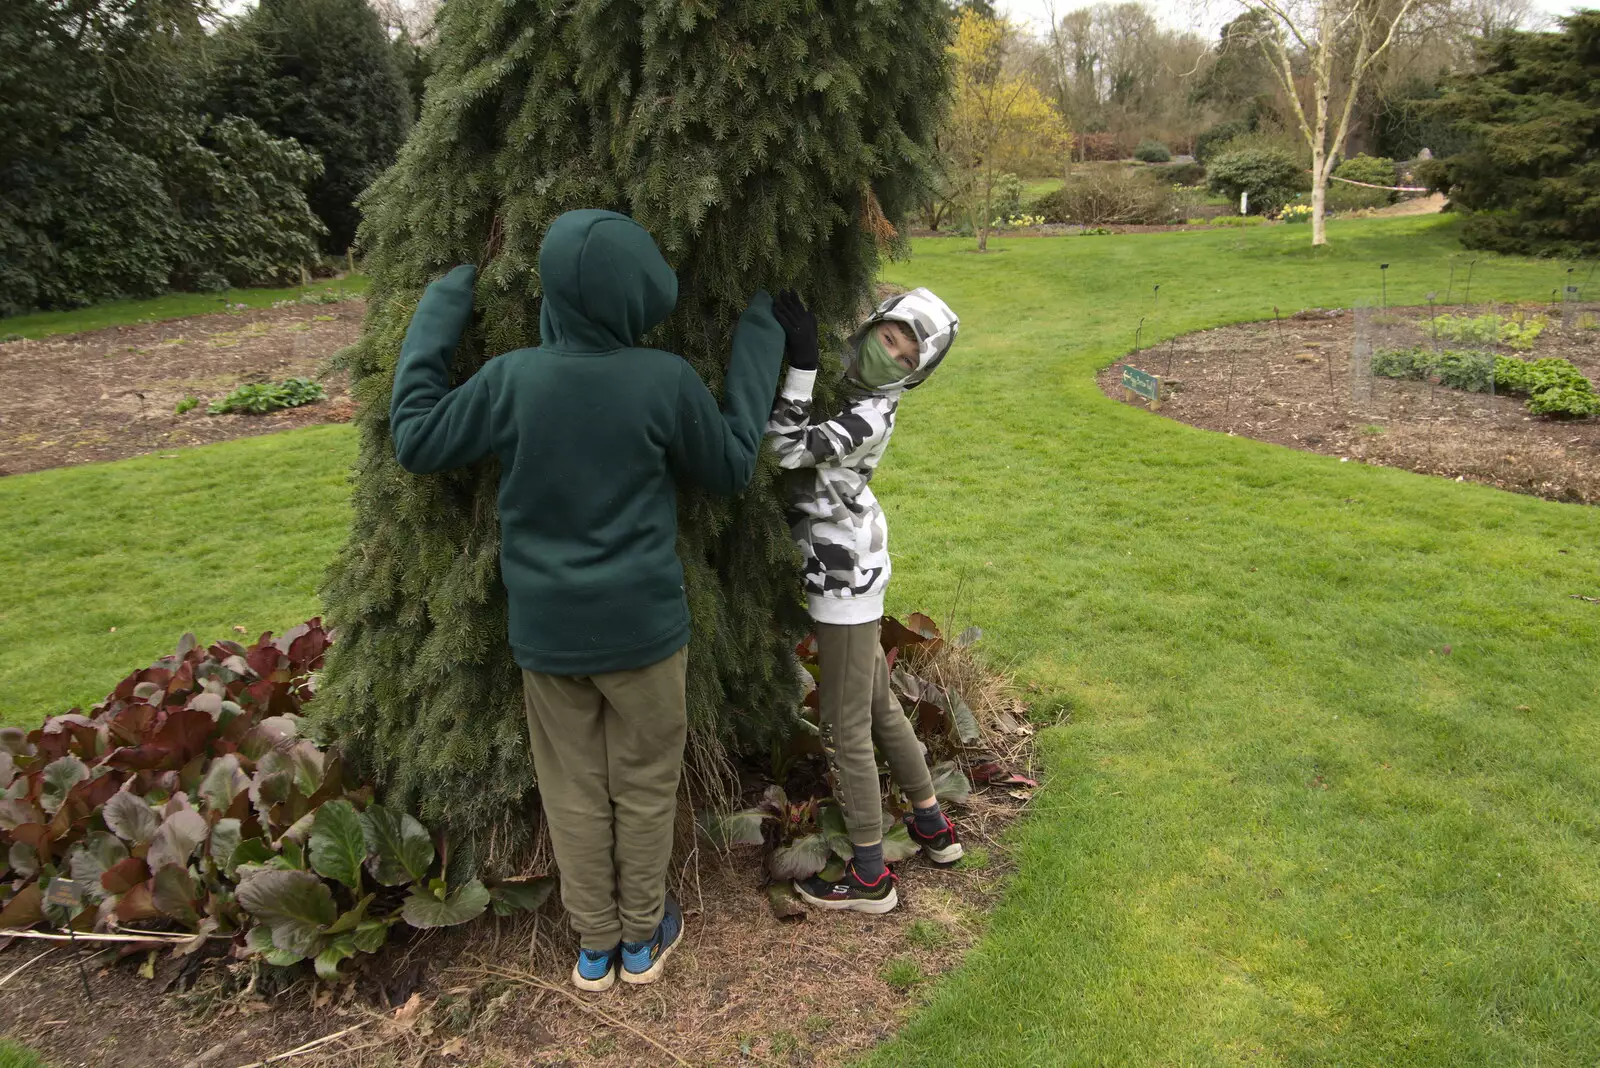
<point>836,520</point>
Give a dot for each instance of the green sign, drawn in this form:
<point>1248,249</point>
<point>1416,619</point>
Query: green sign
<point>1141,383</point>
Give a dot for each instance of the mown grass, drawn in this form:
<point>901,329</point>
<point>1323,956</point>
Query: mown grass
<point>104,566</point>
<point>1326,792</point>
<point>167,306</point>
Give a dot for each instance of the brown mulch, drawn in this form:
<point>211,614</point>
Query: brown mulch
<point>109,394</point>
<point>1282,391</point>
<point>744,988</point>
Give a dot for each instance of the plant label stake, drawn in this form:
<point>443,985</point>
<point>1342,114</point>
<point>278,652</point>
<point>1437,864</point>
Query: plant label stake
<point>1470,266</point>
<point>1383,273</point>
<point>1157,303</point>
<point>1143,384</point>
<point>1138,333</point>
<point>1450,287</point>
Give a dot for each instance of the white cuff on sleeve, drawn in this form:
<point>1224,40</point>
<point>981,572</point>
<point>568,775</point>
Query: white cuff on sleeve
<point>799,384</point>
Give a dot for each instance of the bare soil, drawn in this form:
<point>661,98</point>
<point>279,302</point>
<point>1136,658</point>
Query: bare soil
<point>112,393</point>
<point>743,988</point>
<point>1291,383</point>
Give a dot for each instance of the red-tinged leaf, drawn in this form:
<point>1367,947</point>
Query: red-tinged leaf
<point>177,839</point>
<point>263,657</point>
<point>192,773</point>
<point>137,903</point>
<point>132,722</point>
<point>24,909</point>
<point>892,634</point>
<point>182,682</point>
<point>172,891</point>
<point>923,626</point>
<point>91,794</point>
<point>124,875</point>
<point>807,649</point>
<point>306,652</point>
<point>186,730</point>
<point>151,756</point>
<point>50,747</point>
<point>891,656</point>
<point>240,809</point>
<point>35,834</point>
<point>988,771</point>
<point>225,648</point>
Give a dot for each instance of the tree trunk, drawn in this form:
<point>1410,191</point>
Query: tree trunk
<point>1319,201</point>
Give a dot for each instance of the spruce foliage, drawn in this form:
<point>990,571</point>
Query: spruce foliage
<point>1529,179</point>
<point>764,144</point>
<point>324,73</point>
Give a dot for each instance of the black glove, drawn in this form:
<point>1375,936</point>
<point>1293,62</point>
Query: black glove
<point>799,331</point>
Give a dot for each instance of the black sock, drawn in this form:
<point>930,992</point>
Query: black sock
<point>930,820</point>
<point>869,862</point>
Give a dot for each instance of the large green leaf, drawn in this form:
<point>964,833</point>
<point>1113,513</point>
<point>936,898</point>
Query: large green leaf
<point>327,962</point>
<point>296,905</point>
<point>728,829</point>
<point>89,860</point>
<point>831,824</point>
<point>426,907</point>
<point>402,851</point>
<point>59,777</point>
<point>130,818</point>
<point>173,892</point>
<point>349,921</point>
<point>176,839</point>
<point>963,721</point>
<point>249,851</point>
<point>266,736</point>
<point>259,940</point>
<point>222,783</point>
<point>950,784</point>
<point>338,843</point>
<point>370,935</point>
<point>225,838</point>
<point>897,844</point>
<point>521,895</point>
<point>801,859</point>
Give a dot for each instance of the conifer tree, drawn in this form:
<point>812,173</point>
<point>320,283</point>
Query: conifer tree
<point>324,73</point>
<point>764,143</point>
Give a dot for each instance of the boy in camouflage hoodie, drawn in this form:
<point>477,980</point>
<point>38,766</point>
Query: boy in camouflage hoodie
<point>845,541</point>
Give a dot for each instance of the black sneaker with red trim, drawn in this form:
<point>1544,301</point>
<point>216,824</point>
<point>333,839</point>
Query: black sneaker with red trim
<point>943,849</point>
<point>851,892</point>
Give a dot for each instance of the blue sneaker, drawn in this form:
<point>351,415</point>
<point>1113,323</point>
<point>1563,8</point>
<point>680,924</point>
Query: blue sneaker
<point>596,970</point>
<point>642,962</point>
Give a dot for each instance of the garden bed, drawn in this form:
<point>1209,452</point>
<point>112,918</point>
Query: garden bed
<point>1291,383</point>
<point>113,393</point>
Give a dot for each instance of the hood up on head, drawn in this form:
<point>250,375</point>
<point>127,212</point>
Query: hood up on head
<point>604,283</point>
<point>930,319</point>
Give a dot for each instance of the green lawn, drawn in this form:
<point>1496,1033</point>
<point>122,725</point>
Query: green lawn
<point>1281,826</point>
<point>169,306</point>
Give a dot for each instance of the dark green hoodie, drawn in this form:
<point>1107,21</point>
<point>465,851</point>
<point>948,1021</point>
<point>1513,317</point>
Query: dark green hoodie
<point>591,431</point>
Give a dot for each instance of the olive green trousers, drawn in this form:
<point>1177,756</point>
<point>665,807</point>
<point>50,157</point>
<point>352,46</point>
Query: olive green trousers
<point>608,754</point>
<point>858,709</point>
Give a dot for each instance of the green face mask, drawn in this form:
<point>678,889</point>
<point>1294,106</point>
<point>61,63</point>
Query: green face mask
<point>875,368</point>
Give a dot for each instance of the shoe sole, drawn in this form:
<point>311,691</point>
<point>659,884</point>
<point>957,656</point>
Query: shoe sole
<point>594,986</point>
<point>645,978</point>
<point>947,857</point>
<point>872,908</point>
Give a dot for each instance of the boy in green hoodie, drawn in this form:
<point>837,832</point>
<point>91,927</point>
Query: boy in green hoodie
<point>592,432</point>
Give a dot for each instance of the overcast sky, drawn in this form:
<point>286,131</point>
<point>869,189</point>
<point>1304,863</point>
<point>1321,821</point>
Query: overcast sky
<point>1206,16</point>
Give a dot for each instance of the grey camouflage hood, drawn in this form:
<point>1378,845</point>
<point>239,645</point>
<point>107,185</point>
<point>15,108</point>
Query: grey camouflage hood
<point>930,319</point>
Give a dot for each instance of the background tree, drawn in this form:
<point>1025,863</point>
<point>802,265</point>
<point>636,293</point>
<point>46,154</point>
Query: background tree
<point>762,144</point>
<point>324,73</point>
<point>113,182</point>
<point>1335,43</point>
<point>1528,177</point>
<point>999,122</point>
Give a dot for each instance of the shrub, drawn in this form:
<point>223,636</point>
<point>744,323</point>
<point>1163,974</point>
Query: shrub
<point>1097,148</point>
<point>1152,152</point>
<point>258,398</point>
<point>1365,168</point>
<point>1270,175</point>
<point>1103,195</point>
<point>1183,173</point>
<point>190,797</point>
<point>1552,385</point>
<point>1213,140</point>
